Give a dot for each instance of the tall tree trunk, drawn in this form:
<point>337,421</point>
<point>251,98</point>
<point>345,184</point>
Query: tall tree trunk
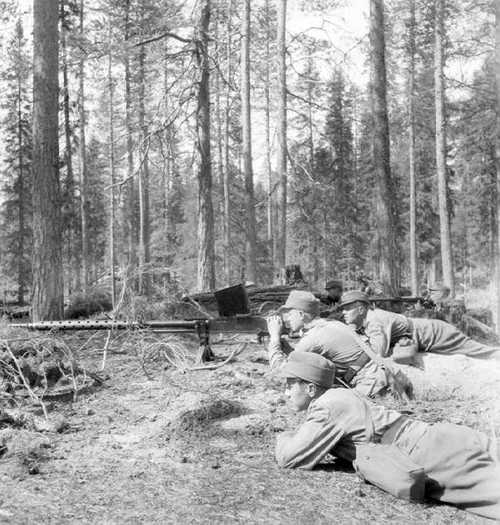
<point>313,245</point>
<point>167,155</point>
<point>315,259</point>
<point>251,262</point>
<point>83,164</point>
<point>444,214</point>
<point>21,278</point>
<point>381,152</point>
<point>144,234</point>
<point>48,286</point>
<point>130,189</point>
<point>282,128</point>
<point>411,133</point>
<point>497,156</point>
<point>219,134</point>
<point>206,254</point>
<point>69,197</point>
<point>166,185</point>
<point>267,125</point>
<point>326,259</point>
<point>111,132</point>
<point>310,138</point>
<point>227,170</point>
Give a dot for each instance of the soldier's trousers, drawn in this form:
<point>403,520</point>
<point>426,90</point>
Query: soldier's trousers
<point>433,335</point>
<point>459,468</point>
<point>370,380</point>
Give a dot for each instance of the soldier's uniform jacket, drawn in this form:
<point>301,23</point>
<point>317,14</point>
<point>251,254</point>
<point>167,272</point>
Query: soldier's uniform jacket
<point>456,459</point>
<point>337,342</point>
<point>384,328</point>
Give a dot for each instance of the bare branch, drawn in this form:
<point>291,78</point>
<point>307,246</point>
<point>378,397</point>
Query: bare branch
<point>167,34</point>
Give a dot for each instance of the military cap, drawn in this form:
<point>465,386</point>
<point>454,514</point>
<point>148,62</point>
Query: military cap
<point>352,296</point>
<point>301,300</point>
<point>332,283</point>
<point>310,367</point>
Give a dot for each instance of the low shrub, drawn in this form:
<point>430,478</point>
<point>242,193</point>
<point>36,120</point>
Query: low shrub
<point>84,305</point>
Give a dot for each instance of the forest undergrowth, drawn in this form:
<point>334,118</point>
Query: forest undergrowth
<point>158,439</point>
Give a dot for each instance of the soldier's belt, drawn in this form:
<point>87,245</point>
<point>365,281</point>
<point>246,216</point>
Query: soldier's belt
<point>355,367</point>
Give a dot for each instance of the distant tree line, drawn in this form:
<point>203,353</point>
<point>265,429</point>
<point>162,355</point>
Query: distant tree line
<point>204,145</point>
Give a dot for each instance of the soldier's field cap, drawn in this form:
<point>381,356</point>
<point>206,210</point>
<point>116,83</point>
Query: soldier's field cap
<point>301,300</point>
<point>352,296</point>
<point>333,283</point>
<point>310,367</point>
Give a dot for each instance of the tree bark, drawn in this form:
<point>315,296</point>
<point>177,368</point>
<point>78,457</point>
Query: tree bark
<point>130,189</point>
<point>267,125</point>
<point>282,130</point>
<point>444,214</point>
<point>218,127</point>
<point>167,156</point>
<point>48,286</point>
<point>326,259</point>
<point>21,277</point>
<point>314,241</point>
<point>144,233</point>
<point>83,165</point>
<point>411,140</point>
<point>251,262</point>
<point>69,198</point>
<point>227,171</point>
<point>386,241</point>
<point>206,255</point>
<point>111,132</point>
<point>497,151</point>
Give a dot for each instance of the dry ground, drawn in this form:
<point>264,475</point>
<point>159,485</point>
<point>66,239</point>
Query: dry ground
<point>197,447</point>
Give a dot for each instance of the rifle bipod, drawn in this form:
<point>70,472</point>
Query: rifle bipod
<point>204,351</point>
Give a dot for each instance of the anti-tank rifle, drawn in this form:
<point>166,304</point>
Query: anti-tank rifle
<point>393,303</point>
<point>397,299</point>
<point>247,324</point>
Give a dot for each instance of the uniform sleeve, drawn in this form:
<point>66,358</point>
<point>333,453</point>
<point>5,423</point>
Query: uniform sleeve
<point>308,342</point>
<point>312,441</point>
<point>377,337</point>
<point>277,352</point>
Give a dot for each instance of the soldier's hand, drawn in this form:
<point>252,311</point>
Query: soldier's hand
<point>274,326</point>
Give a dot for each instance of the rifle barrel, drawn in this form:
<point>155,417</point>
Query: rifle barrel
<point>243,323</point>
<point>401,299</point>
<point>174,326</point>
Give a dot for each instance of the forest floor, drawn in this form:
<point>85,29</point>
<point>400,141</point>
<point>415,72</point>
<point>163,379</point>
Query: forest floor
<point>197,446</point>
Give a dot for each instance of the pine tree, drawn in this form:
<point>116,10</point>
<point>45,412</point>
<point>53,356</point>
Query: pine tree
<point>206,255</point>
<point>386,231</point>
<point>339,137</point>
<point>475,224</point>
<point>17,208</point>
<point>282,134</point>
<point>97,164</point>
<point>67,10</point>
<point>48,286</point>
